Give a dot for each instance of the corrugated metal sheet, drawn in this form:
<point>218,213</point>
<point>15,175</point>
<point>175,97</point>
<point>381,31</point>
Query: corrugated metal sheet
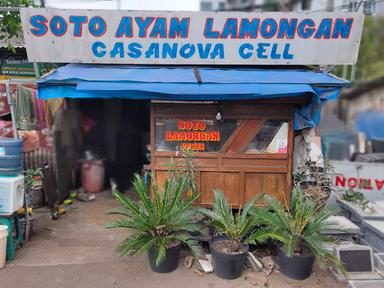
<point>37,159</point>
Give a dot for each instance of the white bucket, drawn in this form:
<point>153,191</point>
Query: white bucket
<point>3,244</point>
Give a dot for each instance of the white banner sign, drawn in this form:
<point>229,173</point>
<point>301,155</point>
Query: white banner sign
<point>212,38</point>
<point>367,178</point>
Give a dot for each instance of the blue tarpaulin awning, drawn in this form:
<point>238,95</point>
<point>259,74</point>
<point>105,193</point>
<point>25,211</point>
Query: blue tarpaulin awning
<point>193,83</point>
<point>371,124</point>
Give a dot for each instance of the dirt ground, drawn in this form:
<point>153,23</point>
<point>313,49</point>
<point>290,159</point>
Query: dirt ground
<point>77,251</point>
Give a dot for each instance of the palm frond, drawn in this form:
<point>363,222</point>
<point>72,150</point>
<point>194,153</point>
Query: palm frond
<point>118,211</point>
<point>142,191</point>
<point>127,203</point>
<point>160,253</point>
<point>196,249</point>
<point>130,244</point>
<point>120,223</point>
<point>261,236</point>
<point>291,243</point>
<point>248,207</point>
<point>157,221</point>
<point>247,227</point>
<point>279,211</point>
<point>177,195</point>
<point>222,208</point>
<point>336,261</point>
<point>166,196</point>
<point>144,247</point>
<point>297,228</point>
<point>238,227</point>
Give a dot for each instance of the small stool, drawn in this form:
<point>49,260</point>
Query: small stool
<point>15,235</point>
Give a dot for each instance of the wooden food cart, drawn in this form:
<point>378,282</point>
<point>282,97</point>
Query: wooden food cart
<point>241,148</point>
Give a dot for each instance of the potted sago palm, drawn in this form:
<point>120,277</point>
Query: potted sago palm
<point>160,222</point>
<point>230,248</point>
<point>298,230</point>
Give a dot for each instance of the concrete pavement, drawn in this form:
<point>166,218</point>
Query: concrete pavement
<point>76,251</point>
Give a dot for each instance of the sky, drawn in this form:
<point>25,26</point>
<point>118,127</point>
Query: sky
<point>177,5</point>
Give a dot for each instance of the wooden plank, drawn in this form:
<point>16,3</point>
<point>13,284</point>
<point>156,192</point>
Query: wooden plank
<point>253,185</point>
<point>210,181</point>
<point>258,156</point>
<point>267,183</point>
<point>241,188</point>
<point>228,183</point>
<point>248,130</point>
<point>233,136</point>
<point>261,111</point>
<point>234,188</point>
<point>198,162</point>
<point>229,110</point>
<point>194,154</point>
<point>186,110</point>
<point>275,185</point>
<point>246,163</point>
<point>161,177</point>
<point>260,169</point>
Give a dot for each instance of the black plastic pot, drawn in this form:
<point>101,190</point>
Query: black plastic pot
<point>296,267</point>
<point>227,266</point>
<point>170,262</point>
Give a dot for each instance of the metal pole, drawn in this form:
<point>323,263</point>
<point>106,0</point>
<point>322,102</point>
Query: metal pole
<point>356,7</point>
<point>353,73</point>
<point>12,108</point>
<point>13,116</point>
<point>36,70</point>
<point>330,5</point>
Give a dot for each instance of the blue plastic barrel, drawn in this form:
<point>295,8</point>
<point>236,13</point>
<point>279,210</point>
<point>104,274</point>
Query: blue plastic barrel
<point>9,162</point>
<point>11,147</point>
<point>11,156</point>
<point>10,172</point>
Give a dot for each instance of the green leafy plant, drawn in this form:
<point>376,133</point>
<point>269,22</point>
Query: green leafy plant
<point>10,24</point>
<point>240,227</point>
<point>299,228</point>
<point>186,171</point>
<point>160,221</point>
<point>315,180</point>
<point>30,176</point>
<point>189,172</point>
<point>370,64</point>
<point>359,199</point>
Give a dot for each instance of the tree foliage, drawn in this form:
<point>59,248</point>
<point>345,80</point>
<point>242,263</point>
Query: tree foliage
<point>10,24</point>
<point>370,64</point>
